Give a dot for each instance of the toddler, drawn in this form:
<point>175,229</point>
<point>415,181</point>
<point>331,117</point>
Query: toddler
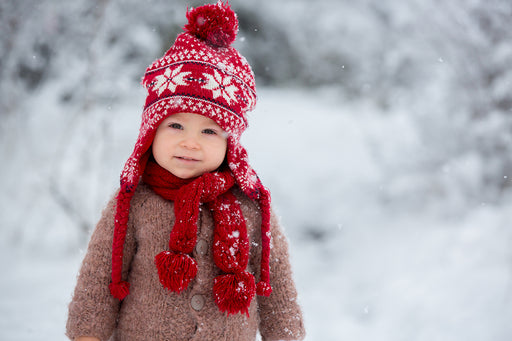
<point>189,248</point>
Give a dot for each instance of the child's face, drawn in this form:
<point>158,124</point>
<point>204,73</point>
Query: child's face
<point>189,145</point>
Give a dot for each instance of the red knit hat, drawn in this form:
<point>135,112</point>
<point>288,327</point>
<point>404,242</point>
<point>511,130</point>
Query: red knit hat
<point>202,74</point>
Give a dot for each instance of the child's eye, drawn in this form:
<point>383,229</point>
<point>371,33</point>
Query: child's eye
<point>175,126</point>
<point>209,132</point>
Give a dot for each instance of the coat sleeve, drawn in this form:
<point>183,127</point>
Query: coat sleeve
<point>93,311</point>
<point>280,313</point>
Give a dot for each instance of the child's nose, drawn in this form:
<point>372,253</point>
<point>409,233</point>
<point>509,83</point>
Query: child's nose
<point>190,142</point>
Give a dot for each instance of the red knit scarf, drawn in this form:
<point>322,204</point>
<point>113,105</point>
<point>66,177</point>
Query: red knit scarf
<point>234,290</point>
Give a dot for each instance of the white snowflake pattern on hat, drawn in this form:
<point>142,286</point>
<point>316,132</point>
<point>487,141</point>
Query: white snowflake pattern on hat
<point>170,80</point>
<point>221,86</point>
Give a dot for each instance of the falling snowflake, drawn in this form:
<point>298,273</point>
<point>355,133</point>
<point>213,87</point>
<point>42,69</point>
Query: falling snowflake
<point>221,86</point>
<point>170,80</point>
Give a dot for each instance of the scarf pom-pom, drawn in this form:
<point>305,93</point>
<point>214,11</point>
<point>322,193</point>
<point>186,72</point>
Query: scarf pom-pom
<point>263,289</point>
<point>119,290</point>
<point>233,293</point>
<point>175,270</point>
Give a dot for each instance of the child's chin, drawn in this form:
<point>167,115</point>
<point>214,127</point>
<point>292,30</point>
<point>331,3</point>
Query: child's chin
<point>187,175</point>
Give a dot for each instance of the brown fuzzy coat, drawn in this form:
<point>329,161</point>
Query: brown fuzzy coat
<point>150,312</point>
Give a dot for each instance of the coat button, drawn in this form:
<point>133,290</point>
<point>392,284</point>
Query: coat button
<point>197,302</point>
<point>201,247</point>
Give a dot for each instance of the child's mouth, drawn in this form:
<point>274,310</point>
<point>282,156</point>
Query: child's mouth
<point>186,158</point>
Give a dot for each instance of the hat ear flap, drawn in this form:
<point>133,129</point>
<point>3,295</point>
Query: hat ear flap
<point>251,185</point>
<point>238,162</point>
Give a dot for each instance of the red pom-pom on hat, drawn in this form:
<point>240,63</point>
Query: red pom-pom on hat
<point>216,24</point>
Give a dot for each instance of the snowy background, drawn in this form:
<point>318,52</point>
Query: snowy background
<point>383,130</point>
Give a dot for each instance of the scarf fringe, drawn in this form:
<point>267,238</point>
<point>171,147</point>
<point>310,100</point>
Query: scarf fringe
<point>233,293</point>
<point>175,270</point>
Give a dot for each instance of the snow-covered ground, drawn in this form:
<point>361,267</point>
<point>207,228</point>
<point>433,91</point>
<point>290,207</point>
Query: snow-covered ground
<point>371,260</point>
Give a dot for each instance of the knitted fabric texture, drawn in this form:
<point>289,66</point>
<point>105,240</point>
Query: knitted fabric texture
<point>203,74</point>
<point>234,291</point>
<point>152,313</point>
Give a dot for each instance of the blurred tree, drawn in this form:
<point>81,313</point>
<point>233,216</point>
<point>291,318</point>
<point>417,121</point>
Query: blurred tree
<point>474,40</point>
